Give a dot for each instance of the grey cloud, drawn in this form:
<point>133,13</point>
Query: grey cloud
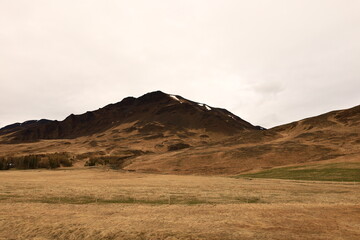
<point>270,62</point>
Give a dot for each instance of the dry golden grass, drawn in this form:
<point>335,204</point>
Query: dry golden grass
<point>101,204</point>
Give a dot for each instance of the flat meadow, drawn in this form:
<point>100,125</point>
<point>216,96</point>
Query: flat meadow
<point>98,203</point>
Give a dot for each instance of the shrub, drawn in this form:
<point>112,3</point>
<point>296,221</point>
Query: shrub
<point>23,162</point>
<point>113,161</point>
<point>178,146</point>
<point>4,164</point>
<point>53,160</point>
<point>59,159</point>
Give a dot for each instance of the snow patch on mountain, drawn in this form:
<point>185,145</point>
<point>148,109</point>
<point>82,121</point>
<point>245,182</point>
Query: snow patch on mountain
<point>204,105</point>
<point>175,98</point>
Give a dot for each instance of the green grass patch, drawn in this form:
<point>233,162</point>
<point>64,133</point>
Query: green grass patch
<point>341,172</point>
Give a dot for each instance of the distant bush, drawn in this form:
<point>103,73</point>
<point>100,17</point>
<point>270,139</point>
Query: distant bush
<point>59,159</point>
<point>83,156</point>
<point>86,155</point>
<point>53,163</point>
<point>4,164</point>
<point>178,146</point>
<point>53,160</point>
<point>93,143</point>
<point>92,162</point>
<point>23,162</point>
<point>113,161</point>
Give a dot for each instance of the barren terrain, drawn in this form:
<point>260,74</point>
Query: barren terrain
<point>99,203</point>
<point>161,133</point>
<point>164,167</point>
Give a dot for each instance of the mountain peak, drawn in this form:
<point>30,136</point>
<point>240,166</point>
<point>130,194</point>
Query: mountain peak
<point>152,97</point>
<point>173,112</point>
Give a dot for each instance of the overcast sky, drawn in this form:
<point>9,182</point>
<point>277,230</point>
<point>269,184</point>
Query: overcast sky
<point>268,61</point>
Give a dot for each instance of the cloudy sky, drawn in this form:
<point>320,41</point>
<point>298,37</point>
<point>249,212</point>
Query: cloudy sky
<point>268,61</point>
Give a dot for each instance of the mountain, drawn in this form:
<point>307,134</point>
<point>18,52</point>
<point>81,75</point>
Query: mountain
<point>22,126</point>
<point>165,133</point>
<point>331,137</point>
<point>155,111</point>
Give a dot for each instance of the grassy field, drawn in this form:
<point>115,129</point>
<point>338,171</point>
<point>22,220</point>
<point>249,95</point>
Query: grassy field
<point>102,204</point>
<point>342,172</point>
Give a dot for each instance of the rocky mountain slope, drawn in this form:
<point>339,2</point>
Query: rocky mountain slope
<point>164,133</point>
<point>152,112</point>
<point>331,137</point>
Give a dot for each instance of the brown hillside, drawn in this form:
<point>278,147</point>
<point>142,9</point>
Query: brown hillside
<point>170,134</point>
<point>334,136</point>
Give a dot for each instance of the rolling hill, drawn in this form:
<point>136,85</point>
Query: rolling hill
<point>164,133</point>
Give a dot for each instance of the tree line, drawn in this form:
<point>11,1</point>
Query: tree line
<point>50,161</point>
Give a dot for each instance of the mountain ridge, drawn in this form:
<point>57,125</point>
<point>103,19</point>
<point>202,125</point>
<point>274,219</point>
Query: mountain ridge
<point>173,111</point>
<point>166,133</point>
